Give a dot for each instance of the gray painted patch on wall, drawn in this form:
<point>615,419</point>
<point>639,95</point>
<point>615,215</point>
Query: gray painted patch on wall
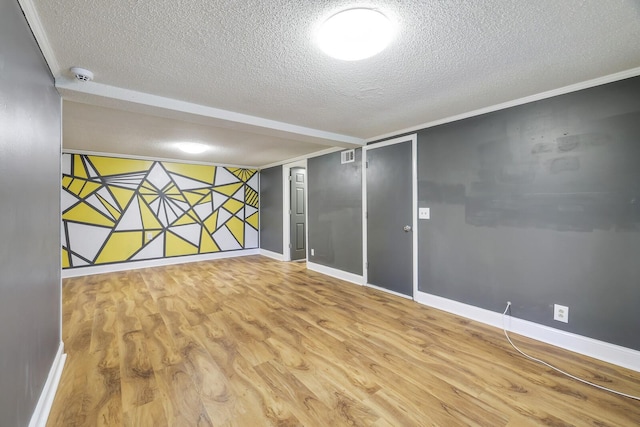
<point>539,204</point>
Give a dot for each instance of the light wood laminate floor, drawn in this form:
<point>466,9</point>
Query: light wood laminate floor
<point>255,342</point>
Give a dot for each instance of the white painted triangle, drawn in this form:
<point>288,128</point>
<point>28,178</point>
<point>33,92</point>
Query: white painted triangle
<point>249,210</point>
<point>203,210</point>
<point>63,237</point>
<point>250,237</point>
<point>155,206</point>
<point>158,177</point>
<point>188,183</point>
<point>181,206</point>
<point>66,164</point>
<point>86,240</point>
<point>131,219</point>
<point>162,217</point>
<point>240,214</point>
<point>218,200</point>
<point>225,240</point>
<point>154,249</point>
<point>223,177</point>
<point>239,195</point>
<point>223,216</point>
<point>96,203</point>
<point>189,232</point>
<point>67,200</point>
<point>78,262</point>
<point>253,182</point>
<point>91,172</point>
<point>171,216</point>
<point>104,193</point>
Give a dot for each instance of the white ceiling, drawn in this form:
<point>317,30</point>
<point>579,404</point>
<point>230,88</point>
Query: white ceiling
<point>247,78</point>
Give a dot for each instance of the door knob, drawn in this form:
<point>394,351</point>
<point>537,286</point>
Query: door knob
<point>407,228</point>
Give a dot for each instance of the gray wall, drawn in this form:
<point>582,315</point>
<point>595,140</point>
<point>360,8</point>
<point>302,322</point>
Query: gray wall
<point>335,212</point>
<point>539,204</point>
<point>271,202</point>
<point>29,219</point>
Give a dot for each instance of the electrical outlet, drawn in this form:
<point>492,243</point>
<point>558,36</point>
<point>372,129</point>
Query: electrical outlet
<point>561,313</point>
<point>149,235</point>
<point>424,213</point>
<point>313,252</point>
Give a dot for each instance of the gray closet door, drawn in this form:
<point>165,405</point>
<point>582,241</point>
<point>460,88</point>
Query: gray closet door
<point>389,218</point>
<point>297,214</point>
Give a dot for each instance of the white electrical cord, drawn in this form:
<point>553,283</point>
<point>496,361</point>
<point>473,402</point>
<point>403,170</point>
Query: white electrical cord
<point>553,367</point>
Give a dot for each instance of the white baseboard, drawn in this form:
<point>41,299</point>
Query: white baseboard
<point>272,255</point>
<point>41,413</point>
<point>133,265</point>
<point>398,294</point>
<point>334,272</point>
<point>607,352</point>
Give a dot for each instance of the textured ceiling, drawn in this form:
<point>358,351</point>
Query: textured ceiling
<point>259,58</point>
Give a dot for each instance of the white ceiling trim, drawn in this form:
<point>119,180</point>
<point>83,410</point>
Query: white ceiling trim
<point>154,159</point>
<point>247,123</point>
<point>305,157</point>
<point>40,34</point>
<point>634,72</point>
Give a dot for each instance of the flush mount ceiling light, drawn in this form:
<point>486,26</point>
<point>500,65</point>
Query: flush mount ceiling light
<point>192,147</point>
<point>355,34</point>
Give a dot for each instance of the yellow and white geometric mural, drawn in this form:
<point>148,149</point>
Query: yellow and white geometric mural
<point>119,210</point>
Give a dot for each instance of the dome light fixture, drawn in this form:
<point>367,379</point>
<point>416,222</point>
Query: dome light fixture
<point>192,147</point>
<point>355,34</point>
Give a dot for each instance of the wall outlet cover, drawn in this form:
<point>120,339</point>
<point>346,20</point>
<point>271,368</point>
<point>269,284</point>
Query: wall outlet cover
<point>561,313</point>
<point>424,213</point>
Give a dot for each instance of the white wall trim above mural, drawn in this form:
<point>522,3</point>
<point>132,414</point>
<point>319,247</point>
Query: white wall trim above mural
<point>117,210</point>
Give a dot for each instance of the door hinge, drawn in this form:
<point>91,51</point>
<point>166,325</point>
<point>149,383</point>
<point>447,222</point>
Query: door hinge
<point>290,211</point>
<point>366,215</point>
<point>366,265</point>
<point>366,165</point>
<point>289,178</point>
<point>290,246</point>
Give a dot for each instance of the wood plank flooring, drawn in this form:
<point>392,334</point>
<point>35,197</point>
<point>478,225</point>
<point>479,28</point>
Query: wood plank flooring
<point>255,342</point>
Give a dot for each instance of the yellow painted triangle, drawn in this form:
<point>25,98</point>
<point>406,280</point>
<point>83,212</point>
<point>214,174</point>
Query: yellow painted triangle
<point>236,226</point>
<point>203,191</point>
<point>253,220</point>
<point>113,210</point>
<point>176,245</point>
<point>207,245</point>
<point>150,198</point>
<point>89,187</point>
<point>176,196</point>
<point>120,246</point>
<point>211,223</point>
<point>184,220</point>
<point>193,198</point>
<point>149,220</point>
<point>66,181</point>
<point>198,172</point>
<point>78,167</point>
<point>244,174</point>
<point>65,258</point>
<point>86,214</point>
<point>106,166</point>
<point>229,189</point>
<point>147,188</point>
<point>122,195</point>
<point>232,205</point>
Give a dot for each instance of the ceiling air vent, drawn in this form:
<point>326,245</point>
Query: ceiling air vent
<point>348,156</point>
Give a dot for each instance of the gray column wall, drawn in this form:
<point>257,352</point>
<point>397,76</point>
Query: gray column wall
<point>29,219</point>
<point>335,212</point>
<point>539,204</point>
<point>271,202</point>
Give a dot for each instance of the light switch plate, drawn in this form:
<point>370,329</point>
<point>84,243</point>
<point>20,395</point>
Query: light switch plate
<point>424,213</point>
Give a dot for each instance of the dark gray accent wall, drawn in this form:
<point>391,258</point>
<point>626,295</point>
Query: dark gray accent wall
<point>539,204</point>
<point>271,202</point>
<point>29,219</point>
<point>335,212</point>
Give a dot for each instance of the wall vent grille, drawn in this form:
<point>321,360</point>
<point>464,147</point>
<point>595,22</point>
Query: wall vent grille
<point>348,156</point>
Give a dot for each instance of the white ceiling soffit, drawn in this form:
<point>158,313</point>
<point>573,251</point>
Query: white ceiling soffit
<point>258,59</point>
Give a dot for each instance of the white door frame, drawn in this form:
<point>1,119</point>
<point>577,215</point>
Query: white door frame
<point>286,206</point>
<point>413,138</point>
